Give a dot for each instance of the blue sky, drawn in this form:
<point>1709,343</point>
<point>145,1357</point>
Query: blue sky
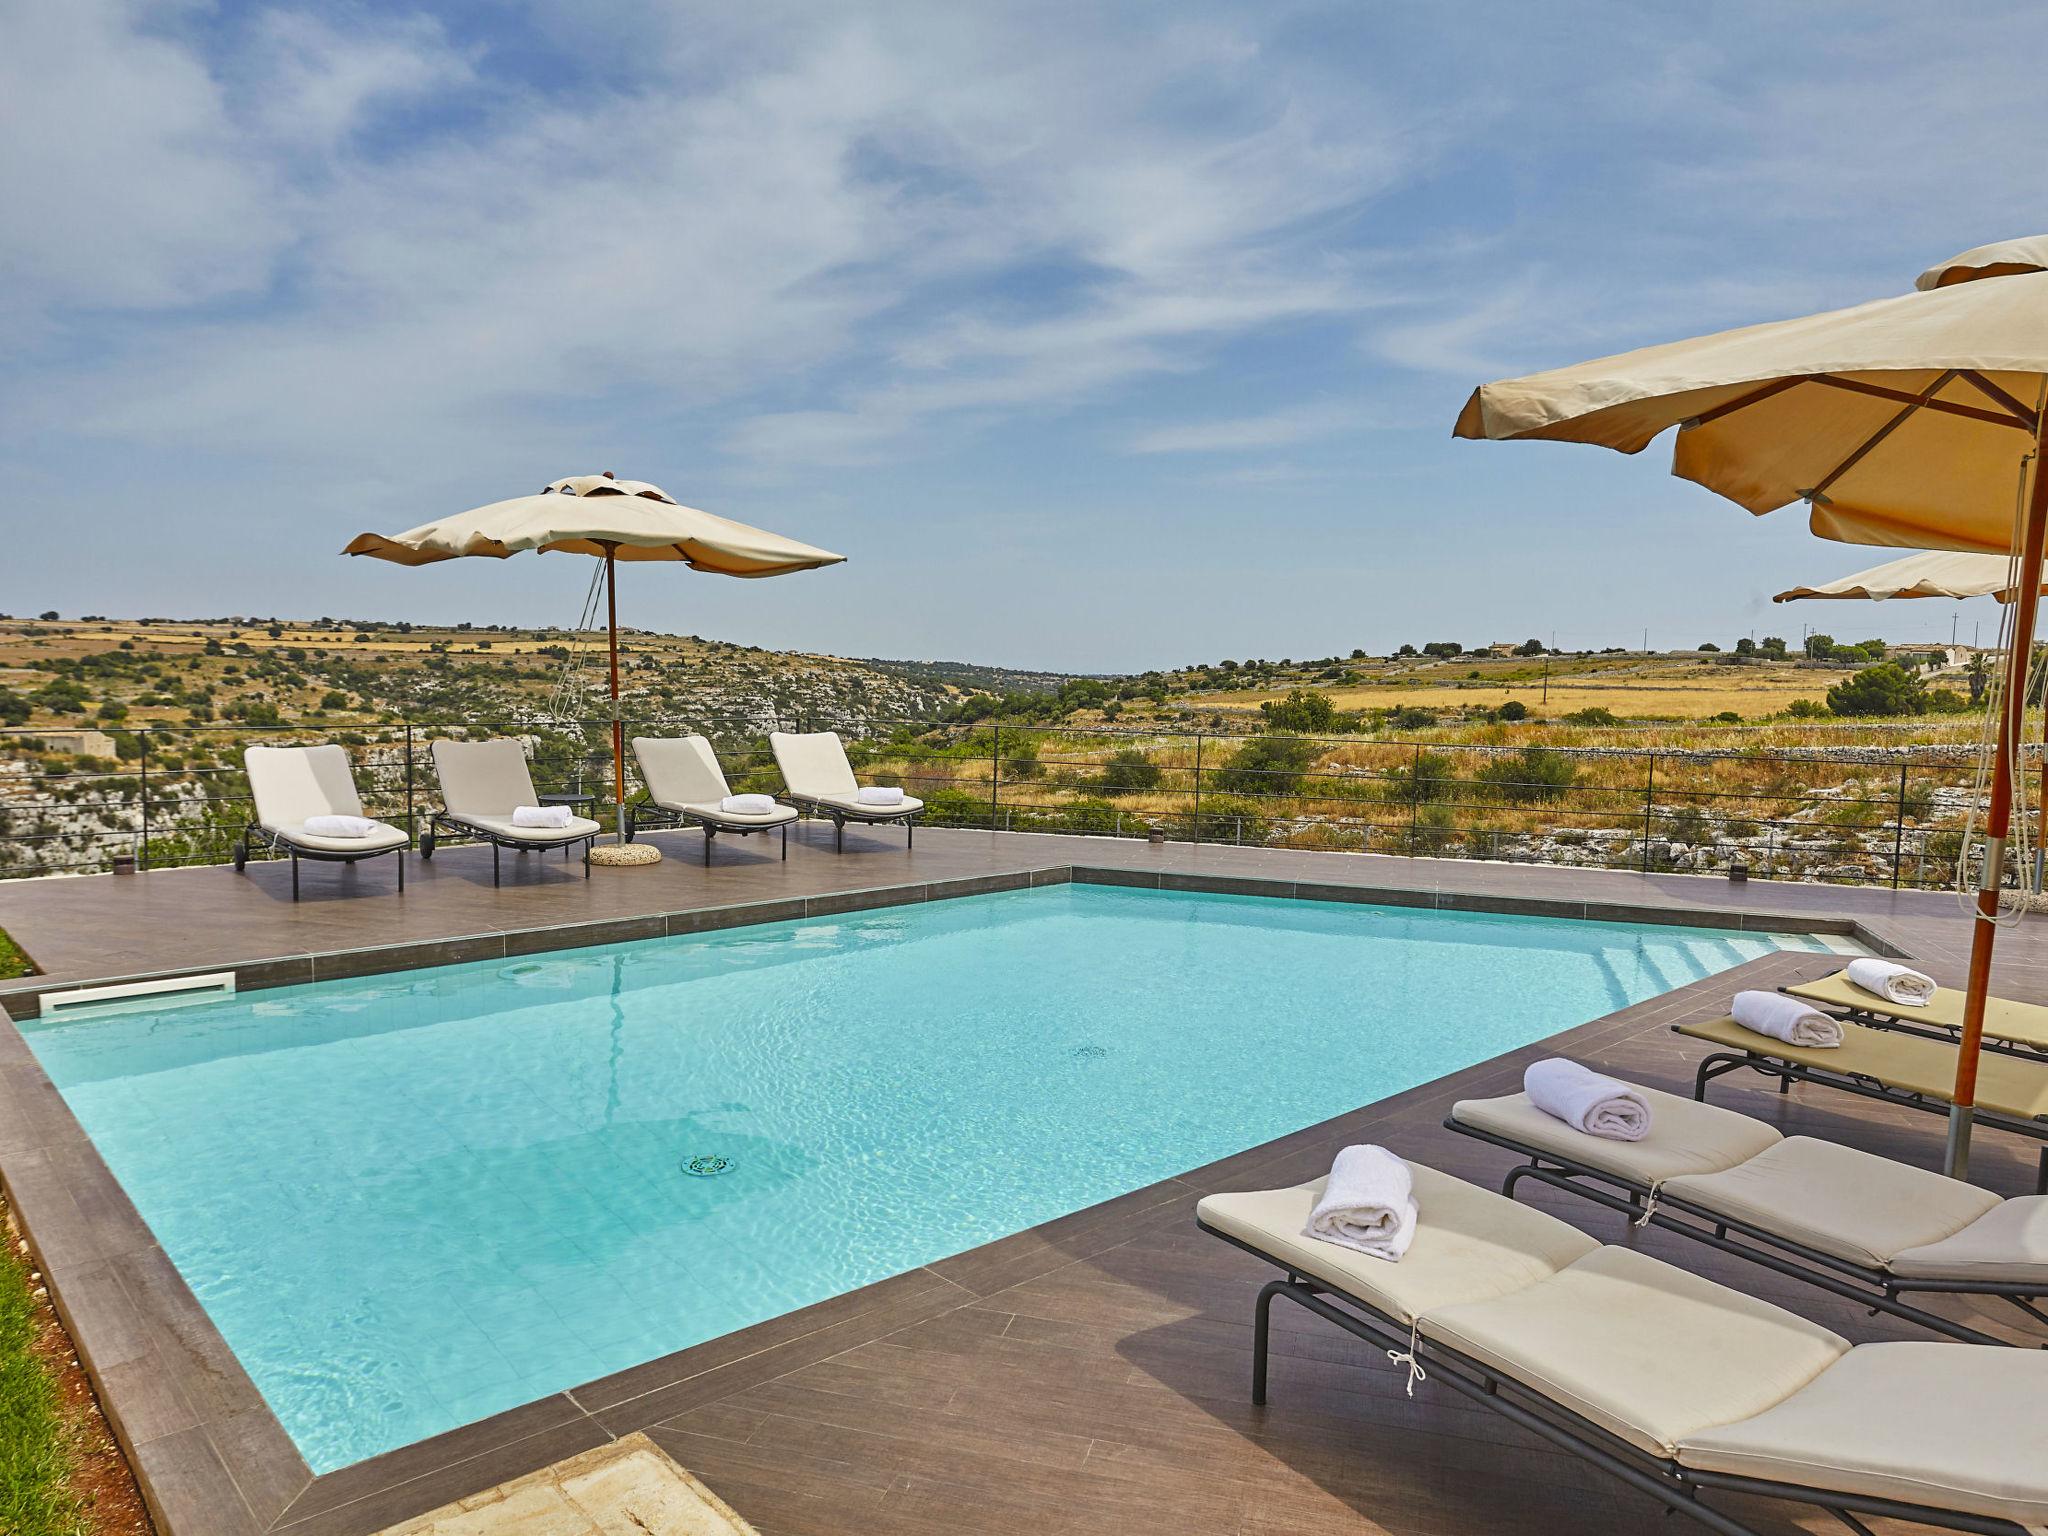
<point>1098,336</point>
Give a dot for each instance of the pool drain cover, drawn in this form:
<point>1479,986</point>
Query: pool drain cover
<point>1090,1052</point>
<point>707,1167</point>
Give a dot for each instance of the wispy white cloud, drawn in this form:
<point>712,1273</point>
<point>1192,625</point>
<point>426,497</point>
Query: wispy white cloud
<point>1240,434</point>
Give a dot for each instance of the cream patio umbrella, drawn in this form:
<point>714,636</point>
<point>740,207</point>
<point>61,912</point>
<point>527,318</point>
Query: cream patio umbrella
<point>614,520</point>
<point>1933,573</point>
<point>1912,421</point>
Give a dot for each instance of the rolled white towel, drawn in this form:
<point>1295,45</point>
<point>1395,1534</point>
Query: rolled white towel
<point>547,818</point>
<point>1586,1100</point>
<point>1368,1204</point>
<point>878,794</point>
<point>748,805</point>
<point>1787,1019</point>
<point>341,826</point>
<point>1899,984</point>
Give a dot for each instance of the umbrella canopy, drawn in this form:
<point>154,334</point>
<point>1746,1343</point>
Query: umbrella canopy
<point>596,515</point>
<point>1910,421</point>
<point>614,520</point>
<point>1900,422</point>
<point>1943,573</point>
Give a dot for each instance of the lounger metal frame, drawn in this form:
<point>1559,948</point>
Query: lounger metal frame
<point>1720,1063</point>
<point>1875,1288</point>
<point>256,835</point>
<point>1677,1487</point>
<point>841,815</point>
<point>1900,1024</point>
<point>652,816</point>
<point>442,822</point>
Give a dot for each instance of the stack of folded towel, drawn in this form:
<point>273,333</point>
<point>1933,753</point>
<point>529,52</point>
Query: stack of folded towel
<point>1787,1019</point>
<point>748,805</point>
<point>550,818</point>
<point>1367,1206</point>
<point>1898,984</point>
<point>880,795</point>
<point>341,826</point>
<point>1587,1101</point>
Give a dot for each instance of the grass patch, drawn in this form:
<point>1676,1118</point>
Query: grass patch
<point>35,1464</point>
<point>13,962</point>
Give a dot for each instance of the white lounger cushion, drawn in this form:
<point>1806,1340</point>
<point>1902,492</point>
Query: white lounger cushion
<point>1946,1425</point>
<point>373,842</point>
<point>1686,1136</point>
<point>2010,1243</point>
<point>814,765</point>
<point>718,813</point>
<point>483,778</point>
<point>682,774</point>
<point>853,807</point>
<point>1852,1204</point>
<point>503,826</point>
<point>1642,1348</point>
<point>680,771</point>
<point>1471,1244</point>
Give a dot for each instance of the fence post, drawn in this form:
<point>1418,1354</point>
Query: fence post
<point>410,829</point>
<point>1415,800</point>
<point>1198,788</point>
<point>142,860</point>
<point>995,775</point>
<point>1899,828</point>
<point>1649,809</point>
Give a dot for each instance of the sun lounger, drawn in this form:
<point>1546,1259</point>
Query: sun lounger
<point>1674,1384</point>
<point>1850,1222</point>
<point>482,783</point>
<point>292,785</point>
<point>817,778</point>
<point>2020,1028</point>
<point>685,784</point>
<point>1908,1070</point>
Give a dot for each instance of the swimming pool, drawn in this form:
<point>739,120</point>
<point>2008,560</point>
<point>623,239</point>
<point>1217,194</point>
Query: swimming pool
<point>414,1200</point>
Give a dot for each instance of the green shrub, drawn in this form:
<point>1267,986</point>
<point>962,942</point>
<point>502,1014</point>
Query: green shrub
<point>1267,765</point>
<point>956,808</point>
<point>1532,776</point>
<point>1128,772</point>
<point>1303,709</point>
<point>1885,689</point>
<point>1597,714</point>
<point>1514,709</point>
<point>1429,778</point>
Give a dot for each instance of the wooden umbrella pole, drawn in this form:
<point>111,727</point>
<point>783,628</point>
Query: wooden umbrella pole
<point>2012,721</point>
<point>611,599</point>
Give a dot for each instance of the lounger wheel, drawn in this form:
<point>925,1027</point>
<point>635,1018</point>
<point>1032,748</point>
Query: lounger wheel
<point>241,857</point>
<point>426,845</point>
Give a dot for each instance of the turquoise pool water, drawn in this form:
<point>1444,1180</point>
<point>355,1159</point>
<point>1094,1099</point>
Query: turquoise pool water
<point>412,1201</point>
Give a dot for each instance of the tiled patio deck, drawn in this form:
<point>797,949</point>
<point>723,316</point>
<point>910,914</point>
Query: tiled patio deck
<point>1087,1376</point>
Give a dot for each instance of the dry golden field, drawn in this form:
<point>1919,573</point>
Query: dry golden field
<point>1656,689</point>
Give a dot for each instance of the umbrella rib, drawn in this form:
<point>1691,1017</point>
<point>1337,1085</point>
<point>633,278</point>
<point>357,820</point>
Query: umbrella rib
<point>1742,402</point>
<point>1984,386</point>
<point>1922,401</point>
<point>1883,432</point>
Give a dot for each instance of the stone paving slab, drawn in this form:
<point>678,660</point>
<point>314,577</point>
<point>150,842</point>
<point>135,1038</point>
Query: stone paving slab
<point>627,1488</point>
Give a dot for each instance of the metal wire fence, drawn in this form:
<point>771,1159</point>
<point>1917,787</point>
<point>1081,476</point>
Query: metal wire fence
<point>170,796</point>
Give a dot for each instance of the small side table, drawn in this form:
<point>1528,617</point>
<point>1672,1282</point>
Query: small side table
<point>582,801</point>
